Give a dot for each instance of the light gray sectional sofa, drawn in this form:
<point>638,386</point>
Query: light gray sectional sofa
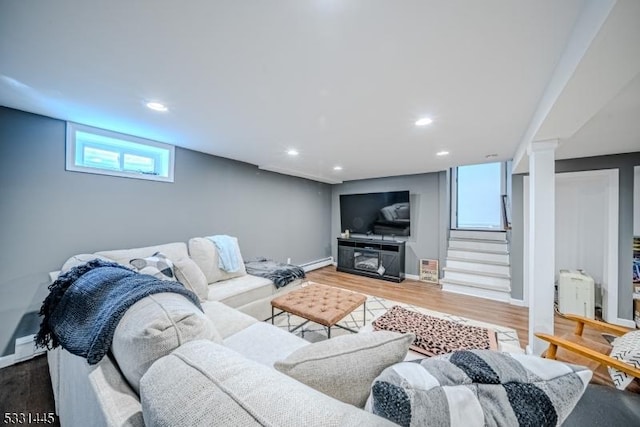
<point>171,364</point>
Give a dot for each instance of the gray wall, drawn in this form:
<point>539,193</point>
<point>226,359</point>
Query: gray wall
<point>516,237</point>
<point>48,214</point>
<point>429,213</point>
<point>625,164</point>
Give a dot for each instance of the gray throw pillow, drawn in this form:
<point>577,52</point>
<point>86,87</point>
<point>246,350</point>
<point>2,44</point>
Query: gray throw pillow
<point>478,388</point>
<point>189,274</point>
<point>157,265</point>
<point>344,367</point>
<point>153,327</point>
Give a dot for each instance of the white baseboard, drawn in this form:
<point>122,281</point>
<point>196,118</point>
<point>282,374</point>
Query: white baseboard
<point>518,302</point>
<point>412,276</point>
<point>7,360</point>
<point>319,263</point>
<point>25,349</point>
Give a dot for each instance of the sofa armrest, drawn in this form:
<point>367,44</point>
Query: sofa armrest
<point>119,404</point>
<point>581,321</point>
<point>603,359</point>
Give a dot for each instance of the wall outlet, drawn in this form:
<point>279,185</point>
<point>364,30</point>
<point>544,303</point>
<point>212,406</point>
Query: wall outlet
<point>288,260</point>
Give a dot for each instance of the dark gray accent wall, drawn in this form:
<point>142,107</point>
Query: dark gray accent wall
<point>48,214</point>
<point>625,164</point>
<point>428,196</point>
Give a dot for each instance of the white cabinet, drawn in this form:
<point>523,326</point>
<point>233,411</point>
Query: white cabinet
<point>576,293</point>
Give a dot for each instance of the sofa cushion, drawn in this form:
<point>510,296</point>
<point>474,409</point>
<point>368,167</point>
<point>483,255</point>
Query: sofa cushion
<point>152,328</point>
<point>189,274</point>
<point>227,320</point>
<point>156,265</point>
<point>478,388</point>
<point>205,384</point>
<point>80,259</point>
<point>344,367</point>
<point>204,252</point>
<point>172,251</point>
<point>241,290</point>
<point>264,343</point>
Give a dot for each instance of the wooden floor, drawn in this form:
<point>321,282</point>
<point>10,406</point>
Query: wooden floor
<point>25,390</point>
<point>432,297</point>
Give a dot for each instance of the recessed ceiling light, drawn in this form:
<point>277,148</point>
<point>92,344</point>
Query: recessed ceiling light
<point>337,168</point>
<point>157,106</point>
<point>424,121</point>
<point>292,152</point>
<point>442,153</point>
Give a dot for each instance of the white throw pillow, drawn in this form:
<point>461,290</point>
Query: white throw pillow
<point>204,252</point>
<point>153,327</point>
<point>189,274</point>
<point>344,367</point>
<point>626,349</point>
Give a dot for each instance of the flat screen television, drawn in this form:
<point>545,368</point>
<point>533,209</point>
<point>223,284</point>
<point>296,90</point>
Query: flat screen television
<point>386,213</point>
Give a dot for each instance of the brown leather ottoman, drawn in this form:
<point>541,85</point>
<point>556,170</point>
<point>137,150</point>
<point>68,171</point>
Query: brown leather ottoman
<point>321,304</point>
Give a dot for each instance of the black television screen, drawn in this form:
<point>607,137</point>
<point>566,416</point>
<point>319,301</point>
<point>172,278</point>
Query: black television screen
<point>376,213</point>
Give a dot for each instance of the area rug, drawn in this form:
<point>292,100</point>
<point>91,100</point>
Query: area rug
<point>506,338</point>
<point>436,336</point>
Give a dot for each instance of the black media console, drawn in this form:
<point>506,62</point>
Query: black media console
<point>380,259</point>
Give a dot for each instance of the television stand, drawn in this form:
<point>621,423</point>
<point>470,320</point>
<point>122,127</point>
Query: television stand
<point>379,259</point>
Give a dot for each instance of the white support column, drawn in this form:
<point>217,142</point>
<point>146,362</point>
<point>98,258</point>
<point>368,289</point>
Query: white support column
<point>542,235</point>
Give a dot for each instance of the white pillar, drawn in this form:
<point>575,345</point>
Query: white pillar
<point>542,235</point>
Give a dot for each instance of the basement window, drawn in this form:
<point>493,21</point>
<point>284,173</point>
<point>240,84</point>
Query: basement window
<point>477,196</point>
<point>98,151</point>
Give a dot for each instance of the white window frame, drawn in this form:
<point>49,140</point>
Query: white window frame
<point>505,188</point>
<point>154,147</point>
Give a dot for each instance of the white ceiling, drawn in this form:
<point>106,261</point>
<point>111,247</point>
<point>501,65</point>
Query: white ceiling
<point>340,81</point>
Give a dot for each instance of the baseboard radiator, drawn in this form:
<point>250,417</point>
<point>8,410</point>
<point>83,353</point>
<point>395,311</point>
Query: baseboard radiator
<point>319,263</point>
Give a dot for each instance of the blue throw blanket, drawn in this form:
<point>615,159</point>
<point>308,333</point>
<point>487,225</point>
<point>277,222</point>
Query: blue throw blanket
<point>85,305</point>
<point>227,253</point>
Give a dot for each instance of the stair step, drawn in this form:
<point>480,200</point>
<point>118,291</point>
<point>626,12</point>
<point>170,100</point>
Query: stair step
<point>473,239</point>
<point>480,251</point>
<point>479,261</point>
<point>478,267</point>
<point>479,234</point>
<point>474,285</point>
<point>477,273</point>
<point>478,256</point>
<point>461,287</point>
<point>482,245</point>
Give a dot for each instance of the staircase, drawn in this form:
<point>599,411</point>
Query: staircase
<point>478,264</point>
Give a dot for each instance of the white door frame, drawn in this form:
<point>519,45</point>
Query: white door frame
<point>610,270</point>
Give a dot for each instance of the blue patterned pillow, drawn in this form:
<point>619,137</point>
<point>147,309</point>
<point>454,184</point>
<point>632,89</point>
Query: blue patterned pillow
<point>478,388</point>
